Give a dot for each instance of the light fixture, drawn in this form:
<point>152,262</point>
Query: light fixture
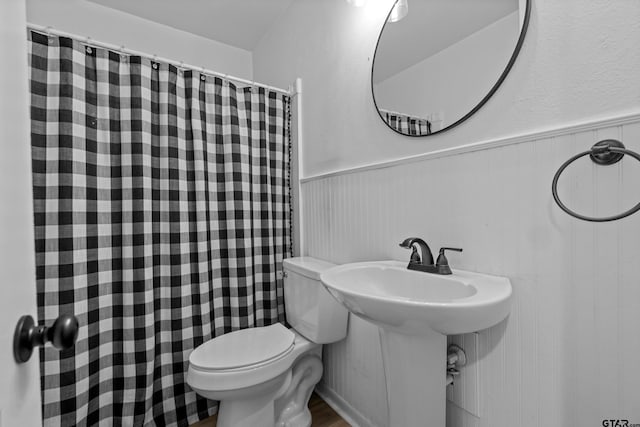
<point>357,3</point>
<point>399,11</point>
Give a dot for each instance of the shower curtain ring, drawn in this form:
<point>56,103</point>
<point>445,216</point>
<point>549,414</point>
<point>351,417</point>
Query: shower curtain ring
<point>48,29</point>
<point>87,46</point>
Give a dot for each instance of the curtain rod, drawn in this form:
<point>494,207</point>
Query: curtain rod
<point>121,49</point>
<point>428,117</point>
<point>383,110</point>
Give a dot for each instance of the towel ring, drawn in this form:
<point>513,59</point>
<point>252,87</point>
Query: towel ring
<point>606,152</point>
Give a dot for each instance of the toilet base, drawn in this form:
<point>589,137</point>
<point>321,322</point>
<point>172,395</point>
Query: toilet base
<point>253,409</point>
<point>280,402</point>
<point>292,407</point>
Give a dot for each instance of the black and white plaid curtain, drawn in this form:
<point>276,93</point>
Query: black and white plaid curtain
<point>405,124</point>
<point>161,219</point>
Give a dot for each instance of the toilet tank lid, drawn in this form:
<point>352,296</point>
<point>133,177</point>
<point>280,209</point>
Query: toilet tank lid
<point>307,266</point>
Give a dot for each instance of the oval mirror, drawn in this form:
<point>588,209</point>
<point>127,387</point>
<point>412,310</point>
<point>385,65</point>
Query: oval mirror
<point>438,61</point>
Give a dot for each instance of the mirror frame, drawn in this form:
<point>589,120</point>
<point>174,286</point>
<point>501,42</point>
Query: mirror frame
<point>503,76</point>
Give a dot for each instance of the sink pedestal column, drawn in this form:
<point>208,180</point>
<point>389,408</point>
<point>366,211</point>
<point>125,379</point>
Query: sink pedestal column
<point>415,369</point>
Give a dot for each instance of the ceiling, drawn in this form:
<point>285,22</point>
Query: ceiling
<point>431,26</point>
<point>239,23</point>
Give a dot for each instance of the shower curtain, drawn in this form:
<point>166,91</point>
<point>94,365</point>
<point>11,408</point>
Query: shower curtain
<point>405,124</point>
<point>162,216</point>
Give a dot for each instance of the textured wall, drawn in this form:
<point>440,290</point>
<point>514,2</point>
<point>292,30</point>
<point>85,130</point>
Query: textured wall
<point>567,354</point>
<point>580,60</point>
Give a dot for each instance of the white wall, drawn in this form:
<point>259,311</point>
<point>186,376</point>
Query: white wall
<point>577,62</point>
<point>87,19</point>
<point>566,356</point>
<point>454,80</point>
<point>20,386</point>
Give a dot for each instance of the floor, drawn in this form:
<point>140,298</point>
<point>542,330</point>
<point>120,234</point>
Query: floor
<point>322,415</point>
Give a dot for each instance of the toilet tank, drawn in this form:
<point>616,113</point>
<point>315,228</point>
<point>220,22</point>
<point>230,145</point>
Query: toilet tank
<point>310,309</point>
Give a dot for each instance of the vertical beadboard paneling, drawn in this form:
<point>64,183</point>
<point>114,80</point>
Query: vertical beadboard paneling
<point>567,354</point>
<point>629,290</point>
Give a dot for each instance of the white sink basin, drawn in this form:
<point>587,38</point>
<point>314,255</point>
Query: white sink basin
<point>415,311</point>
<point>391,296</point>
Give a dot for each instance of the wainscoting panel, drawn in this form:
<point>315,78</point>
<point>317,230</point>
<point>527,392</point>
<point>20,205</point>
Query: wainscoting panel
<point>567,355</point>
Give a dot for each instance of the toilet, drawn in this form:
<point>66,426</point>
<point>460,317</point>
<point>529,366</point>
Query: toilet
<point>264,376</point>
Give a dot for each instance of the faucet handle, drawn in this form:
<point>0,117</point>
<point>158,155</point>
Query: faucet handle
<point>442,259</point>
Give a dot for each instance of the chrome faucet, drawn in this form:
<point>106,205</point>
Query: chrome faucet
<point>426,262</point>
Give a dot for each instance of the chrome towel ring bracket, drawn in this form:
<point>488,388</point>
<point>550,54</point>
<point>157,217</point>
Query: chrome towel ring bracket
<point>606,152</point>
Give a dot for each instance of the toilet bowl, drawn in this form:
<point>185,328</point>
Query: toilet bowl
<point>264,376</point>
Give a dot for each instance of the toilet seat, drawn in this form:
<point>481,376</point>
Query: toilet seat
<point>226,364</point>
<point>243,349</point>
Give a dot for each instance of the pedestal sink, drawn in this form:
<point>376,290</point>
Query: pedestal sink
<point>414,312</point>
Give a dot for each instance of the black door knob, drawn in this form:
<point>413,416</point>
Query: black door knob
<point>62,334</point>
